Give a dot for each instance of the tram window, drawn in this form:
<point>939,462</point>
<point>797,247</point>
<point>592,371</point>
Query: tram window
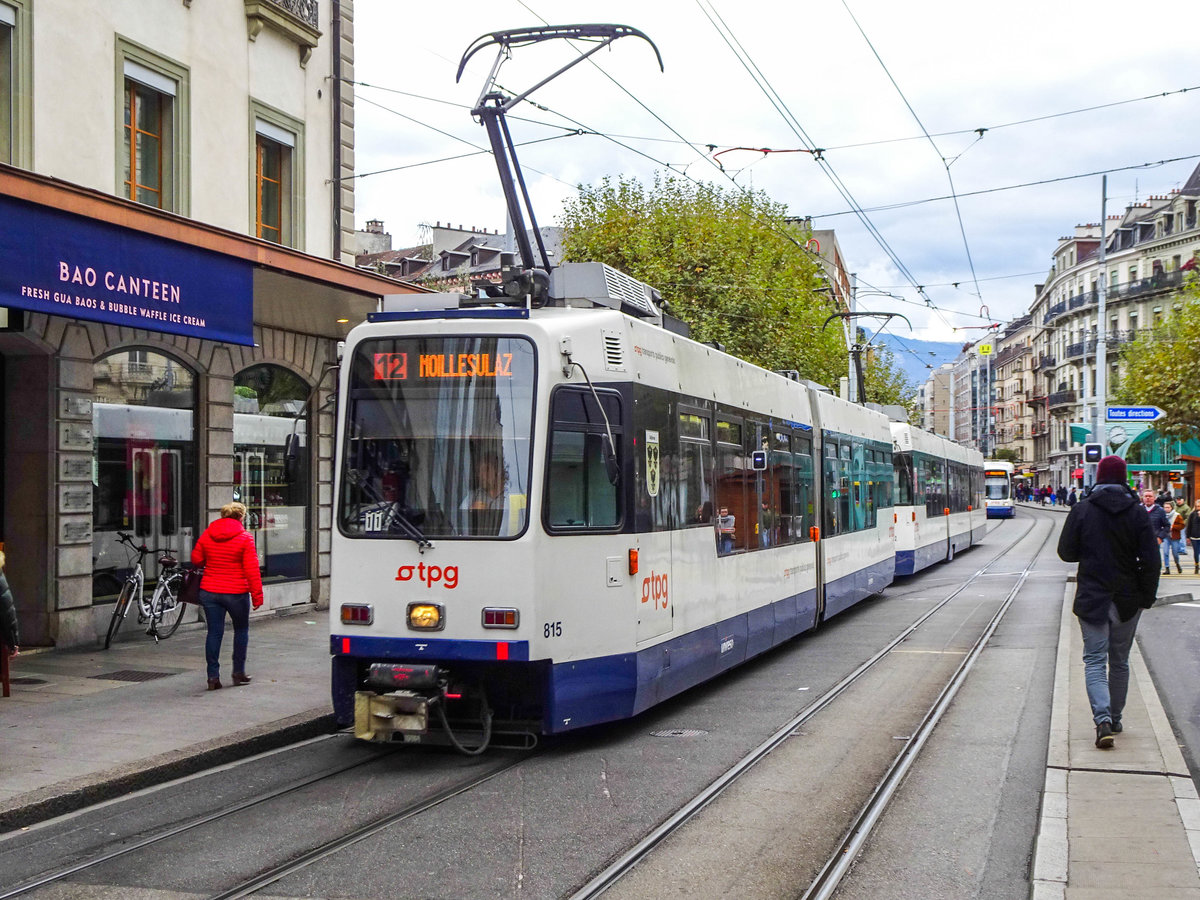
<point>579,494</point>
<point>734,528</point>
<point>802,509</point>
<point>782,464</point>
<point>833,517</point>
<point>435,454</point>
<point>695,470</point>
<point>844,497</point>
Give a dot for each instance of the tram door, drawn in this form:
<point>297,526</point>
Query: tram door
<point>156,499</point>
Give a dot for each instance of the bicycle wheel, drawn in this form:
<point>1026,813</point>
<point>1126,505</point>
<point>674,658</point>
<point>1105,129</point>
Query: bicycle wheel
<point>119,611</point>
<point>168,603</point>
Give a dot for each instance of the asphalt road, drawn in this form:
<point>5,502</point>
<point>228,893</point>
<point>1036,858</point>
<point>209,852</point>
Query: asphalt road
<point>962,825</point>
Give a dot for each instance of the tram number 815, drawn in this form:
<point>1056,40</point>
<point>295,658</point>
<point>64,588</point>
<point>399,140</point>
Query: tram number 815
<point>552,629</point>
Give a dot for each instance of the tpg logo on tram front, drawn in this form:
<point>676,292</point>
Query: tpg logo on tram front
<point>447,576</point>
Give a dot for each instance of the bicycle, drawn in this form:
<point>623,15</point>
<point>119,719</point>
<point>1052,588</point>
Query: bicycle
<point>163,610</point>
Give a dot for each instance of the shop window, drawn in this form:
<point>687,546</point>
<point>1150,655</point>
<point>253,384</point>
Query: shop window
<point>144,461</point>
<point>271,467</point>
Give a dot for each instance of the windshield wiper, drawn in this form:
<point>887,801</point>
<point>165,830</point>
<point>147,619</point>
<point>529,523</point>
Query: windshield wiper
<point>394,521</point>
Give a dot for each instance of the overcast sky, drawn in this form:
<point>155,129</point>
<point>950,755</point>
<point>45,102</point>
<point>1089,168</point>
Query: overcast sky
<point>960,65</point>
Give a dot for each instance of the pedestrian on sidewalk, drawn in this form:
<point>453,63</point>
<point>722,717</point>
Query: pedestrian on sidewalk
<point>10,637</point>
<point>1171,535</point>
<point>1192,530</point>
<point>1114,544</point>
<point>232,580</point>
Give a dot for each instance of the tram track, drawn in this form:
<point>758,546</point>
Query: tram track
<point>628,861</point>
<point>840,860</point>
<point>146,842</point>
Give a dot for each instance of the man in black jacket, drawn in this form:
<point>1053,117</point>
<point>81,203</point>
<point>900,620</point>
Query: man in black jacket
<point>1108,533</point>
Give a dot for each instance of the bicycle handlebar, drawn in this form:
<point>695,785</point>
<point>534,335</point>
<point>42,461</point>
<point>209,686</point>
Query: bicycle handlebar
<point>124,538</point>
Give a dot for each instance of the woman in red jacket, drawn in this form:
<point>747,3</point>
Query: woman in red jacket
<point>231,581</point>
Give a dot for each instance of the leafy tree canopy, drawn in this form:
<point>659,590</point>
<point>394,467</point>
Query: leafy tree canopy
<point>1159,368</point>
<point>727,261</point>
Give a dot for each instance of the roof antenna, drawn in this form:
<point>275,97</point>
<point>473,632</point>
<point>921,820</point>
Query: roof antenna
<point>491,108</point>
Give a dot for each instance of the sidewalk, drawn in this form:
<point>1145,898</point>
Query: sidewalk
<point>1120,823</point>
<point>85,726</point>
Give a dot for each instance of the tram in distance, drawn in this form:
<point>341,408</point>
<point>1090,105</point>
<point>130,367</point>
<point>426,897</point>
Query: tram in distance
<point>998,489</point>
<point>548,518</point>
<point>939,490</point>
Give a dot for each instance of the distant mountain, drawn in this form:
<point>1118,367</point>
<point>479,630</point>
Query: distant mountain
<point>917,359</point>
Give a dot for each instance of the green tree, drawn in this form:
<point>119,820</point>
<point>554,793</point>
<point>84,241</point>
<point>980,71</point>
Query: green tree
<point>1159,368</point>
<point>727,261</point>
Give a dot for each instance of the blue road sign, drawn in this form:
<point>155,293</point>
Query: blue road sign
<point>1132,413</point>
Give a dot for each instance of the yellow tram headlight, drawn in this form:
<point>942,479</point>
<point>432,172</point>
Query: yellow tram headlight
<point>425,617</point>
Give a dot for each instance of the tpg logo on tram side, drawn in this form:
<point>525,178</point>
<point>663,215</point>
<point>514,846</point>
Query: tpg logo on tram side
<point>448,576</point>
<point>654,587</point>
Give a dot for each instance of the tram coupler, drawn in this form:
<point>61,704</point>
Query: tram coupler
<point>397,702</point>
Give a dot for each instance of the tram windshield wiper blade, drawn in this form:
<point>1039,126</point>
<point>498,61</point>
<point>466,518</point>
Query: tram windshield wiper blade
<point>393,519</point>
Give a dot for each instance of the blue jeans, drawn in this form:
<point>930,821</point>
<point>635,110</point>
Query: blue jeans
<point>215,608</point>
<point>1172,547</point>
<point>1108,641</point>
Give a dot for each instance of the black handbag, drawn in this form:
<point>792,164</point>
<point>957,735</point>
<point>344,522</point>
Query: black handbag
<point>190,591</point>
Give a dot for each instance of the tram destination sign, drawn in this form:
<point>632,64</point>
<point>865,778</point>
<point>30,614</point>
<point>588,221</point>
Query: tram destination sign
<point>1132,413</point>
<point>61,264</point>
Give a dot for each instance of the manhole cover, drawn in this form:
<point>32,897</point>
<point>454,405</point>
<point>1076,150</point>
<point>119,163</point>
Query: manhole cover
<point>678,732</point>
<point>131,675</point>
<point>26,679</point>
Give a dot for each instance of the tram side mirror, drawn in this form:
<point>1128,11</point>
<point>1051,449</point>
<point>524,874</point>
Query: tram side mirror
<point>612,466</point>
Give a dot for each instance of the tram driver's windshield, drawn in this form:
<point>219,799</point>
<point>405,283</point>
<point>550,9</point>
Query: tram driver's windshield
<point>438,438</point>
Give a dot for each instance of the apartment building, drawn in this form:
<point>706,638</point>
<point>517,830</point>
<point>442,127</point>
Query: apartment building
<point>1148,251</point>
<point>1011,395</point>
<point>175,196</point>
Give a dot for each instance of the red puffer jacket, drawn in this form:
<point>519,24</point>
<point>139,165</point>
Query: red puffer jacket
<point>226,550</point>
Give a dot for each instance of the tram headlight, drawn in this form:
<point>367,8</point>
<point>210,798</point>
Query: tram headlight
<point>426,617</point>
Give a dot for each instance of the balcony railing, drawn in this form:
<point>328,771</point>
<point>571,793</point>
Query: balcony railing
<point>1010,353</point>
<point>1062,398</point>
<point>1087,298</point>
<point>1044,362</point>
<point>1055,311</point>
<point>1163,281</point>
<point>304,10</point>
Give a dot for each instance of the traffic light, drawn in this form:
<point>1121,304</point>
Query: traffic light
<point>1093,453</point>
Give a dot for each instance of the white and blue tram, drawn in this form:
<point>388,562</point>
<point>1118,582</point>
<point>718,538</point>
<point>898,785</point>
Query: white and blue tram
<point>939,498</point>
<point>998,489</point>
<point>562,516</point>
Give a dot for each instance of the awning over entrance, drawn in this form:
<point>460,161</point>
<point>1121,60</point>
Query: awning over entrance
<point>1078,473</point>
<point>71,251</point>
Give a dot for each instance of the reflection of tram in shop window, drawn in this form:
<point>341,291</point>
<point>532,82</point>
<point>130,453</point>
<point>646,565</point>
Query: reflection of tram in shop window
<point>273,488</point>
<point>144,481</point>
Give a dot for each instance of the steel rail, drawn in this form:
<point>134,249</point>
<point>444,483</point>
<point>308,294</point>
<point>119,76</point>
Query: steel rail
<point>60,874</point>
<point>627,861</point>
<point>252,885</point>
<point>844,855</point>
